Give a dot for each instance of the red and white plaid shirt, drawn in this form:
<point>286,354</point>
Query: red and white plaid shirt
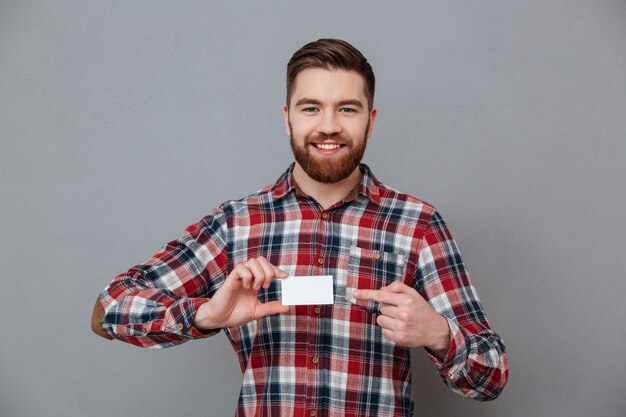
<point>328,360</point>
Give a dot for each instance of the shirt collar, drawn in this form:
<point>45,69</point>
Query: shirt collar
<point>369,186</point>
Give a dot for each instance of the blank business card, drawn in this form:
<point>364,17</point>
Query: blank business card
<point>307,290</point>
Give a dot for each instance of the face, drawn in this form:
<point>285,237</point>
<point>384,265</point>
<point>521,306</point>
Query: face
<point>329,122</point>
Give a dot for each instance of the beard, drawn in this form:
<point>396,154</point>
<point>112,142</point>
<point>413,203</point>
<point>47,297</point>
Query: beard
<point>329,170</point>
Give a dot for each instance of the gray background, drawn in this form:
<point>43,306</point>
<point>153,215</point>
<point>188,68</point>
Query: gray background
<point>123,122</point>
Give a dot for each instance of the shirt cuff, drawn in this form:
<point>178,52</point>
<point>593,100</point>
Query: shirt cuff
<point>456,357</point>
<point>183,315</point>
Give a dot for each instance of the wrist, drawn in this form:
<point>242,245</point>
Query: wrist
<point>202,320</point>
<point>441,339</point>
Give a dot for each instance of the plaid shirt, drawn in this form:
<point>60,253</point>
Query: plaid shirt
<point>328,360</point>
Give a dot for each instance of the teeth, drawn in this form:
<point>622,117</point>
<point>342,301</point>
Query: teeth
<point>326,147</point>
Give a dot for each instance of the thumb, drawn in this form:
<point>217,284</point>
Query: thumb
<point>270,308</point>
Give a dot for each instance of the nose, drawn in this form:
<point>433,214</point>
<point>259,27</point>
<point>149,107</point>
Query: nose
<point>329,124</point>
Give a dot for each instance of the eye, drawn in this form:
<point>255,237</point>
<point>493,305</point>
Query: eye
<point>347,110</point>
<point>309,109</point>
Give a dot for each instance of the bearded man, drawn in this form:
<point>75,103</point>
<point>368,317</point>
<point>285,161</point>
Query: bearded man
<point>398,281</point>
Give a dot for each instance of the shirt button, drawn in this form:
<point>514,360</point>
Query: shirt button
<point>317,310</point>
<point>324,216</point>
<point>312,413</point>
<point>377,255</point>
<point>315,360</point>
<point>320,260</point>
<point>179,326</point>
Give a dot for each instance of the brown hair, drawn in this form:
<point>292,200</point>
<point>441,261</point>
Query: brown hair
<point>331,54</point>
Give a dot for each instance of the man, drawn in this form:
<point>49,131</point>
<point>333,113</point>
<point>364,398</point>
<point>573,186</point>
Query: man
<point>398,278</point>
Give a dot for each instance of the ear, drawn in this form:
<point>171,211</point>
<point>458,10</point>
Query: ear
<point>286,120</point>
<point>370,128</point>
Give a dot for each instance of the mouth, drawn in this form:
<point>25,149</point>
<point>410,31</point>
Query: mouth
<point>327,146</point>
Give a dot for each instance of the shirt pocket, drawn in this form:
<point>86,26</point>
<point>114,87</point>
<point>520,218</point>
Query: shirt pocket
<point>370,269</point>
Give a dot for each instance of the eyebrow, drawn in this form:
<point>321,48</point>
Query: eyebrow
<point>351,102</point>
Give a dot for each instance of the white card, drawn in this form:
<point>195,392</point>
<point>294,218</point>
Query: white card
<point>307,290</point>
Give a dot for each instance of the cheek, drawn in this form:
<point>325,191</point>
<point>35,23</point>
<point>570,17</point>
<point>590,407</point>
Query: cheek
<point>300,129</point>
<point>357,130</point>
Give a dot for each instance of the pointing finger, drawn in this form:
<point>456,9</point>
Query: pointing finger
<point>397,287</point>
<point>381,296</point>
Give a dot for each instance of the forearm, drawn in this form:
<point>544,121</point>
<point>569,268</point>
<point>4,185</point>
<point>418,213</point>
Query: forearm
<point>148,317</point>
<point>476,365</point>
<point>154,304</point>
<point>440,339</point>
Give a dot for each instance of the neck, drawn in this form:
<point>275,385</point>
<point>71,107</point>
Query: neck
<point>325,194</point>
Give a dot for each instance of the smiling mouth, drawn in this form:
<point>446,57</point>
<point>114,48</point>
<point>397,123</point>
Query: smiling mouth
<point>327,146</point>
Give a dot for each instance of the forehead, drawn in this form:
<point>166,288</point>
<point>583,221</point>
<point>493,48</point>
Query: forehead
<point>330,85</point>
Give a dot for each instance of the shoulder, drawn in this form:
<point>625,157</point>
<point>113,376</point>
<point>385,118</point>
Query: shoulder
<point>230,213</point>
<point>241,211</point>
<point>256,200</point>
<point>403,203</point>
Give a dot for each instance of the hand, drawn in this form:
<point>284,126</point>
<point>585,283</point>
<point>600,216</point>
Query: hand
<point>236,301</point>
<point>407,319</point>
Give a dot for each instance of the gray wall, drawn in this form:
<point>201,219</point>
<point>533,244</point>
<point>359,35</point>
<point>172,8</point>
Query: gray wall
<point>123,122</point>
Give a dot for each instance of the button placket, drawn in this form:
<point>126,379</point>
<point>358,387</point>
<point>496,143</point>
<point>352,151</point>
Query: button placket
<point>313,360</point>
<point>324,231</point>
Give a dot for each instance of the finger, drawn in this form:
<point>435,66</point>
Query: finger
<point>279,273</point>
<point>412,298</point>
<point>243,274</point>
<point>386,322</point>
<point>258,273</point>
<point>398,287</point>
<point>389,310</point>
<point>271,271</point>
<point>270,308</point>
<point>268,269</point>
<point>390,334</point>
<point>386,297</point>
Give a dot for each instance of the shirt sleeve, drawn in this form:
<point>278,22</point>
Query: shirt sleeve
<point>154,304</point>
<point>476,365</point>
